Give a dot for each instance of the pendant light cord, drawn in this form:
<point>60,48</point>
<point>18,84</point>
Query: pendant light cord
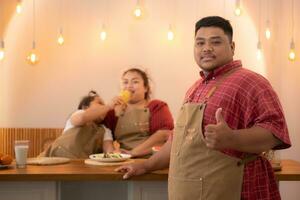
<point>33,24</point>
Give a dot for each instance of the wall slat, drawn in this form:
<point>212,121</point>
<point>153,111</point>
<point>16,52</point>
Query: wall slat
<point>37,137</point>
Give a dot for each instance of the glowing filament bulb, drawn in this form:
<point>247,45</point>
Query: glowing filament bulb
<point>237,10</point>
<point>268,33</point>
<point>60,40</point>
<point>103,33</point>
<point>19,7</point>
<point>170,34</point>
<point>292,53</point>
<point>32,58</point>
<point>137,12</point>
<point>2,54</point>
<point>259,51</point>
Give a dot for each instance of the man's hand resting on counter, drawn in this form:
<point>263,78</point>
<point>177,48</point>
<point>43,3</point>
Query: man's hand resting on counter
<point>132,170</point>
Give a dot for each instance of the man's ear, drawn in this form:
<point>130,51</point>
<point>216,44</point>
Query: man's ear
<point>232,47</point>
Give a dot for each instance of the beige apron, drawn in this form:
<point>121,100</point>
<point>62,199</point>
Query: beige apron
<point>132,128</point>
<point>77,142</point>
<point>197,172</point>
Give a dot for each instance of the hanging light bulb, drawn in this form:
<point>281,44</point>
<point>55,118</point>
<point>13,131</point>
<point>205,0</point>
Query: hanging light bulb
<point>259,51</point>
<point>19,7</point>
<point>32,57</point>
<point>103,33</point>
<point>292,53</point>
<point>60,39</point>
<point>170,34</point>
<point>237,10</point>
<point>2,51</point>
<point>137,12</point>
<point>268,31</point>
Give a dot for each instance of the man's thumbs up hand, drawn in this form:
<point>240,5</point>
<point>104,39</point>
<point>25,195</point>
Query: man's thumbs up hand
<point>219,135</point>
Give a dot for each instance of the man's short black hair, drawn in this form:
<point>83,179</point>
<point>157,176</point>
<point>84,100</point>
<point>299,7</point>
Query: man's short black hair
<point>215,21</point>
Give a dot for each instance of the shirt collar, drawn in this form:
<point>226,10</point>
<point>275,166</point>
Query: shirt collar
<point>221,70</point>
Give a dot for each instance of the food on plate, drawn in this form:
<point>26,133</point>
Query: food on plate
<point>112,155</point>
<point>125,95</point>
<point>5,159</point>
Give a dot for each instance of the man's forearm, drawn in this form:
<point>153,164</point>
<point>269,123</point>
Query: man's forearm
<point>254,140</point>
<point>161,159</point>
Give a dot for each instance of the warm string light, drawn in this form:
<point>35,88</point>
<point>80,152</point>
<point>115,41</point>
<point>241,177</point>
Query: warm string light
<point>268,31</point>
<point>19,7</point>
<point>137,12</point>
<point>238,9</point>
<point>292,52</point>
<point>259,46</point>
<point>170,34</point>
<point>32,58</point>
<point>2,51</point>
<point>103,33</point>
<point>60,39</point>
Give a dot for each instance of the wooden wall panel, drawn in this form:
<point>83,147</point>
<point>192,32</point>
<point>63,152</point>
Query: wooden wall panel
<point>38,137</point>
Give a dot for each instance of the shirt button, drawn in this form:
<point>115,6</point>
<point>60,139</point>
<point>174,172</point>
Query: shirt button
<point>213,78</point>
<point>200,179</point>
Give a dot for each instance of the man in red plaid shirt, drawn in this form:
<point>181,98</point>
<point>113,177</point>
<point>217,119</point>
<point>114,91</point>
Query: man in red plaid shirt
<point>230,116</point>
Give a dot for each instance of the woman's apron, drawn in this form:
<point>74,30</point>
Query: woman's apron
<point>196,171</point>
<point>77,142</point>
<point>132,128</point>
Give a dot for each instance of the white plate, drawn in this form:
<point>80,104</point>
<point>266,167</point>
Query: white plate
<point>47,160</point>
<point>99,157</point>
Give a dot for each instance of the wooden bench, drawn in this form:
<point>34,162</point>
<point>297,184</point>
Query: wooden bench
<point>39,138</point>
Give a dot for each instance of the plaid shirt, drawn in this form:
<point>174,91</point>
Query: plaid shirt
<point>247,99</point>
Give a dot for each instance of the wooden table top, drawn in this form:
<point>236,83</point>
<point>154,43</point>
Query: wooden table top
<point>290,171</point>
<point>76,170</point>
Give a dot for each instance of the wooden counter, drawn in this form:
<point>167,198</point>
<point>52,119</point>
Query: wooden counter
<point>76,170</point>
<point>290,171</point>
<point>76,180</point>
